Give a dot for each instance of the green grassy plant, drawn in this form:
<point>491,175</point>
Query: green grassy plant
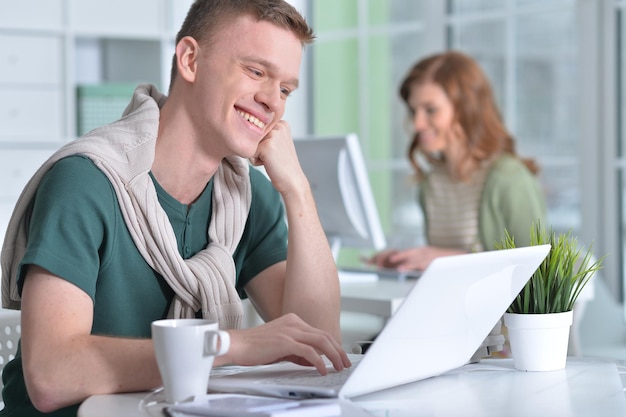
<point>557,283</point>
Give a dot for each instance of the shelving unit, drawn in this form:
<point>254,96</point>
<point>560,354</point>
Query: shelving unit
<point>50,50</point>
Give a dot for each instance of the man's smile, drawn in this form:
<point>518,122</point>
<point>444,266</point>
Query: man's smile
<point>250,118</point>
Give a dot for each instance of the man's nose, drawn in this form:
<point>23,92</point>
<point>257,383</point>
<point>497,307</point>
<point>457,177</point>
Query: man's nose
<point>270,96</point>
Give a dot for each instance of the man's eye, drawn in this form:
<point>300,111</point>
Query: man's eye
<point>285,92</point>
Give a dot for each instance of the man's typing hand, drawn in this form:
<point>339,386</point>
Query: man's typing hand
<point>285,338</point>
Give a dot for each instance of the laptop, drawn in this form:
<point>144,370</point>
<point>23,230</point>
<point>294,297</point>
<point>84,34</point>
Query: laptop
<point>442,322</point>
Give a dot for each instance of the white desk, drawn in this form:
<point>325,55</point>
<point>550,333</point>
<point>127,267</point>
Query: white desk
<point>381,297</point>
<point>586,387</point>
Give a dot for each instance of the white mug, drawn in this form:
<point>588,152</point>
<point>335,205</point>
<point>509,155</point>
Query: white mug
<point>185,350</point>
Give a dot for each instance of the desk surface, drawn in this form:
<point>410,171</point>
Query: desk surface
<point>493,387</point>
<point>381,297</point>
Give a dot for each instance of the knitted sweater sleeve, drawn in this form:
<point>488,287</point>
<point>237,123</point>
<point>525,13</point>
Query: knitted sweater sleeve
<point>512,201</point>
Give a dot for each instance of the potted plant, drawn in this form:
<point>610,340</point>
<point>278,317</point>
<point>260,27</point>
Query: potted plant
<point>539,319</point>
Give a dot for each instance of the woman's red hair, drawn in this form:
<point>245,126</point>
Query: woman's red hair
<point>475,110</point>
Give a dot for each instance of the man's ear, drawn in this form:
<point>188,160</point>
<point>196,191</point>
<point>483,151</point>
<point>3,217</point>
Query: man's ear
<point>187,51</point>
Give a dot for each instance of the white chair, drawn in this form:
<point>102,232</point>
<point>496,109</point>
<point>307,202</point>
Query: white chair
<point>9,337</point>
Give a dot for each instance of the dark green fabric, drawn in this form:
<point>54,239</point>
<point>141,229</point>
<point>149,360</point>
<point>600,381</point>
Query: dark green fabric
<point>78,233</point>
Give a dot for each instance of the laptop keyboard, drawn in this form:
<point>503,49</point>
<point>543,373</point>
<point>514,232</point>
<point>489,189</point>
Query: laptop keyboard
<point>313,378</point>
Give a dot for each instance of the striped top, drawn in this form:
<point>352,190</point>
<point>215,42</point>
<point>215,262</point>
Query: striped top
<point>452,209</point>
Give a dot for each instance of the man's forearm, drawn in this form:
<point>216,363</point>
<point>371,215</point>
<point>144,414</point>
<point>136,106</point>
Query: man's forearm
<point>92,365</point>
<point>312,285</point>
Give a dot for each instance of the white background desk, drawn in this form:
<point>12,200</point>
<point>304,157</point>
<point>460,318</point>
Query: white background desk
<point>367,304</point>
<point>381,297</point>
<point>586,387</point>
<point>377,297</point>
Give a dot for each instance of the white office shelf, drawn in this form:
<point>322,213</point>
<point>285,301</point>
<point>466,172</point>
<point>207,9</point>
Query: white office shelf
<point>47,54</point>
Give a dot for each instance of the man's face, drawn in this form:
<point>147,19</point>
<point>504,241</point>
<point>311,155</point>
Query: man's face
<point>243,80</point>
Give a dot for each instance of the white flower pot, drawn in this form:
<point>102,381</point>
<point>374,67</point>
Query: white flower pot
<point>539,341</point>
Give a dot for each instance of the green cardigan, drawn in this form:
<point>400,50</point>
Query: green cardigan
<point>512,200</point>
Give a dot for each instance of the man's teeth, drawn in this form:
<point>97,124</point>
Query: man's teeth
<point>251,119</point>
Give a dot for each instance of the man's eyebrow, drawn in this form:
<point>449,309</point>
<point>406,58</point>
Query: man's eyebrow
<point>271,67</point>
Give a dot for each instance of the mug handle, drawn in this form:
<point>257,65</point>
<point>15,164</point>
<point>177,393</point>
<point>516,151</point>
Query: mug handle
<point>211,341</point>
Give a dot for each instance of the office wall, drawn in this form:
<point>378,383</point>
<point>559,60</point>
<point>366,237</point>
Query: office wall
<point>73,47</point>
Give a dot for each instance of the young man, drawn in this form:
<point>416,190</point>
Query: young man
<point>111,233</point>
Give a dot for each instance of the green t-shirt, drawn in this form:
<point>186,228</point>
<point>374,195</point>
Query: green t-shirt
<point>78,233</point>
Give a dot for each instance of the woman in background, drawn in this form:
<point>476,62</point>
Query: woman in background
<point>473,185</point>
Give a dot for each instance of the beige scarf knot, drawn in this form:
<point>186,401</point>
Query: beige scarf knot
<point>124,151</point>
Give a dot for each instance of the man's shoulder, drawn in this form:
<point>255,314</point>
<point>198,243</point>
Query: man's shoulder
<point>74,164</point>
<point>75,174</point>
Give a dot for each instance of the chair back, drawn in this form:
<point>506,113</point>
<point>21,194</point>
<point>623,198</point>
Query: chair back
<point>10,331</point>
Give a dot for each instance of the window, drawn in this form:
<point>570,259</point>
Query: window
<point>362,52</point>
<point>617,94</point>
<point>528,50</point>
<point>557,70</point>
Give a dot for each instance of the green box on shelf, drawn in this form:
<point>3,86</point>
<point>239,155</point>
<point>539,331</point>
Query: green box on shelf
<point>100,104</point>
